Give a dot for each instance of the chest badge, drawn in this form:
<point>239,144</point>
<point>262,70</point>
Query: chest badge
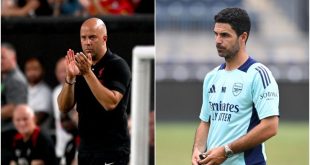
<point>100,75</point>
<point>18,153</point>
<point>237,88</point>
<point>101,72</point>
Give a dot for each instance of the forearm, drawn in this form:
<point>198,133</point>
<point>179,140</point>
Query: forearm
<point>201,137</point>
<point>7,111</point>
<point>266,129</point>
<point>98,7</point>
<point>106,97</point>
<point>66,99</point>
<point>16,11</point>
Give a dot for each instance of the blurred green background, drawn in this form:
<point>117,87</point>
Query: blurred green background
<point>174,142</point>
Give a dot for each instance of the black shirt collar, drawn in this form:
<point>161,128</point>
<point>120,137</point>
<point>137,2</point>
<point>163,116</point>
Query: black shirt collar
<point>103,59</point>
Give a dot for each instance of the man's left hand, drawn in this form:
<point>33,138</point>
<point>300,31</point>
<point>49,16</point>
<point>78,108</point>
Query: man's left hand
<point>215,156</point>
<point>83,62</point>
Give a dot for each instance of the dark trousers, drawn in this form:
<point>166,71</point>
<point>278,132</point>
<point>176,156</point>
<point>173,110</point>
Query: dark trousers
<point>102,159</point>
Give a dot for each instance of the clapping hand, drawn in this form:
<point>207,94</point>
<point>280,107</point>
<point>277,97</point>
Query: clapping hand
<point>71,67</point>
<point>83,62</point>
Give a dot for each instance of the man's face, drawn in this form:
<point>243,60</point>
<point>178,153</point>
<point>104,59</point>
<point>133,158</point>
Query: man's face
<point>23,122</point>
<point>226,39</point>
<point>92,40</point>
<point>34,71</point>
<point>7,59</point>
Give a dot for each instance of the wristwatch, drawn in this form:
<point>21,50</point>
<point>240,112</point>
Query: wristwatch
<point>228,152</point>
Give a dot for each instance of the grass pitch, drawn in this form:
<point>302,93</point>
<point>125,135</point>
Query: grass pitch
<point>290,146</point>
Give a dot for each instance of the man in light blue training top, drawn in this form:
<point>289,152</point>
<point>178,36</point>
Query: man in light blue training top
<point>240,100</point>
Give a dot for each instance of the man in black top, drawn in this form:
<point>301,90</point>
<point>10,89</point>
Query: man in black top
<point>30,145</point>
<point>98,81</point>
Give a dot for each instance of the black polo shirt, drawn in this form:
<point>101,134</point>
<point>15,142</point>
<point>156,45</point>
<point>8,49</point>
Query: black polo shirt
<point>104,131</point>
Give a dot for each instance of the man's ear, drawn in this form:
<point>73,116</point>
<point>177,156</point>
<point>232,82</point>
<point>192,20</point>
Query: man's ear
<point>244,36</point>
<point>105,38</point>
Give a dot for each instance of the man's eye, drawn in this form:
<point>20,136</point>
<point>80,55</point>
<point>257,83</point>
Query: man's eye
<point>224,35</point>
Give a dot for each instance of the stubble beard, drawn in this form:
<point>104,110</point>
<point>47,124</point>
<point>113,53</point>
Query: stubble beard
<point>230,54</point>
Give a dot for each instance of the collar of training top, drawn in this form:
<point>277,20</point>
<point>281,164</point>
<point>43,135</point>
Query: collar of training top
<point>103,59</point>
<point>244,67</point>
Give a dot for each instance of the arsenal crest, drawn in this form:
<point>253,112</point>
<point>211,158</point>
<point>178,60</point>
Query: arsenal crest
<point>237,88</point>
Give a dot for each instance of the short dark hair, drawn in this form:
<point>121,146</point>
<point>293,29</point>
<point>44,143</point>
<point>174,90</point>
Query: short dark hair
<point>8,46</point>
<point>237,18</point>
<point>33,58</point>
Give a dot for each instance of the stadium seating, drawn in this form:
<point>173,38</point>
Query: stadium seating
<point>185,47</point>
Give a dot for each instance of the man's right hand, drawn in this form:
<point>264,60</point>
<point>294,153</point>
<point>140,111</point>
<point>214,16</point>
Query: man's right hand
<point>71,68</point>
<point>65,99</point>
<point>195,157</point>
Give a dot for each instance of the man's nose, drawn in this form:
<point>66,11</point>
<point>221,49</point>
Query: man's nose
<point>88,41</point>
<point>218,39</point>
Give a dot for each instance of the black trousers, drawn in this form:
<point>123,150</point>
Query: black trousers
<point>102,159</point>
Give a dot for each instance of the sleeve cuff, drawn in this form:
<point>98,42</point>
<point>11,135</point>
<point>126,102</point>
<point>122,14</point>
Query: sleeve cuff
<point>115,85</point>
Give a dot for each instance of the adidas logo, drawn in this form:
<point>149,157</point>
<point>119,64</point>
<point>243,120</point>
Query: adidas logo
<point>212,89</point>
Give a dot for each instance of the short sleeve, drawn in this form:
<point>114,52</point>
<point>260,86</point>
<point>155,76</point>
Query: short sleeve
<point>205,111</point>
<point>265,93</point>
<point>119,76</point>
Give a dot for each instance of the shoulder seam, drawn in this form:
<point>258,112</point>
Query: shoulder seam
<point>264,76</point>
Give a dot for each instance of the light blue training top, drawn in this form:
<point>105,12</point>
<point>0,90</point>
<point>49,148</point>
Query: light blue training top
<point>234,102</point>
